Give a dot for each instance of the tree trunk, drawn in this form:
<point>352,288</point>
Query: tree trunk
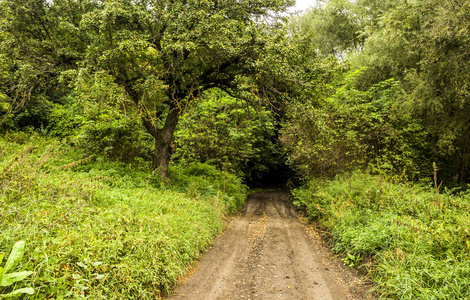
<point>163,149</point>
<point>163,136</point>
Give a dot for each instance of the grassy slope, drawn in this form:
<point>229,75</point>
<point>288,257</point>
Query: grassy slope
<point>420,242</point>
<point>81,220</point>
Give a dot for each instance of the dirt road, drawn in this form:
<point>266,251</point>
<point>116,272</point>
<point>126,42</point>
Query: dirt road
<point>267,253</point>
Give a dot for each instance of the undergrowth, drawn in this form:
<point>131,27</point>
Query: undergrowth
<point>419,239</point>
<point>101,230</point>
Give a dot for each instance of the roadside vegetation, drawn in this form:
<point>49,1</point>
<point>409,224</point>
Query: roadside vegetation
<point>97,229</point>
<point>413,239</point>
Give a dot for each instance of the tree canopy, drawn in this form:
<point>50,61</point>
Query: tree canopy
<point>160,54</point>
<point>423,46</point>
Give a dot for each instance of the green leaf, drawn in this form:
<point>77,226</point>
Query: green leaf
<point>100,276</point>
<point>15,256</point>
<point>28,291</point>
<point>97,263</point>
<point>9,279</point>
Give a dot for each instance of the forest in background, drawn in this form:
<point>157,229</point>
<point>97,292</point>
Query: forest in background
<point>363,104</point>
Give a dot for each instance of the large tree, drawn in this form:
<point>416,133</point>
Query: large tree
<point>162,53</point>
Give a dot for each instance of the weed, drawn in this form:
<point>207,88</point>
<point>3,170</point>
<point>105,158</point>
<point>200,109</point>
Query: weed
<point>418,235</point>
<point>8,278</point>
<point>97,229</point>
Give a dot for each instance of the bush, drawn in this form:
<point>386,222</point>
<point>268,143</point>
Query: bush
<point>356,129</point>
<point>65,120</point>
<point>228,133</point>
<point>202,179</point>
<point>118,139</point>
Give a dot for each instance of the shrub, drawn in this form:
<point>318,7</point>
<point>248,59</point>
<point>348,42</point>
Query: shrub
<point>228,133</point>
<point>203,179</point>
<point>117,138</point>
<point>355,129</point>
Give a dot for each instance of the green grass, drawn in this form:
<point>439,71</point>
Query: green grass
<point>419,242</point>
<point>101,230</point>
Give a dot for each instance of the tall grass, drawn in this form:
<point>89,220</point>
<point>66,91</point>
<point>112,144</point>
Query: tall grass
<point>103,230</point>
<point>419,240</point>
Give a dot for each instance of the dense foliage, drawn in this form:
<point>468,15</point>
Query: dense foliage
<point>423,47</point>
<point>230,134</point>
<point>414,240</point>
<point>96,229</point>
<point>356,129</point>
